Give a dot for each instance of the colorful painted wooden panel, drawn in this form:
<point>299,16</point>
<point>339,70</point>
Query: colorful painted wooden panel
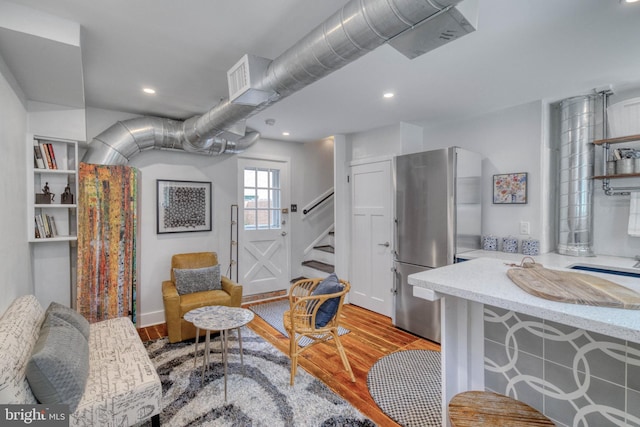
<point>107,228</point>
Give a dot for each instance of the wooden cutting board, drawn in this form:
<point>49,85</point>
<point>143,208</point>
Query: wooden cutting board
<point>572,287</point>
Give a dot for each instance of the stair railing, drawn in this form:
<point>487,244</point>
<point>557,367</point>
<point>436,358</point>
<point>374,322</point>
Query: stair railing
<point>324,198</point>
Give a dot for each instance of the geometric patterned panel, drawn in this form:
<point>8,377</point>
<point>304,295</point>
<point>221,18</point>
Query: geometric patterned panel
<point>575,377</point>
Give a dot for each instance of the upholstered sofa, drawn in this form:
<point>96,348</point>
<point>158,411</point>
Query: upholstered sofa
<point>122,387</point>
<point>177,304</point>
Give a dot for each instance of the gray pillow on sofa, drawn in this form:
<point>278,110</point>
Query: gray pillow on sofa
<point>190,280</point>
<point>59,366</point>
<point>70,315</point>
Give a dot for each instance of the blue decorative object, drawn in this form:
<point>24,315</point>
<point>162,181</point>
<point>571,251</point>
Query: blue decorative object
<point>489,243</point>
<point>327,310</point>
<point>530,247</point>
<point>510,245</point>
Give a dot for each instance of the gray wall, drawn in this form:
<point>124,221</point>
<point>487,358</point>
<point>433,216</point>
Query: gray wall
<point>14,250</point>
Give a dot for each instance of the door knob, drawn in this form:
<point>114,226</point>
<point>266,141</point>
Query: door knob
<point>385,244</point>
<point>284,233</point>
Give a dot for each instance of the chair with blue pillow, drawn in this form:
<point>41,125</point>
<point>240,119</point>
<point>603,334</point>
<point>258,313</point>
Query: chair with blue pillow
<point>314,312</point>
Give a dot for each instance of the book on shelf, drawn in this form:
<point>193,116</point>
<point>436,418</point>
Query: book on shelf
<point>47,155</point>
<point>45,226</point>
<point>52,226</point>
<point>53,156</point>
<point>37,156</point>
<point>40,225</point>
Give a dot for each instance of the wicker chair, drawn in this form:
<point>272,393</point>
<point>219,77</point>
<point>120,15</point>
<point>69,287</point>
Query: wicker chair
<point>300,321</point>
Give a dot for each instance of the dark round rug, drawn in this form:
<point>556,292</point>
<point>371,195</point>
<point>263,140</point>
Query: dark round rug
<point>406,385</point>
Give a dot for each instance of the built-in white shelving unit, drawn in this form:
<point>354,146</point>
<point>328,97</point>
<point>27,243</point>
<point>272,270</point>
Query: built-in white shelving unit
<point>61,180</point>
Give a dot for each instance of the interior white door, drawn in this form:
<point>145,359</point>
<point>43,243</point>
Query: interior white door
<point>371,230</point>
<point>263,247</point>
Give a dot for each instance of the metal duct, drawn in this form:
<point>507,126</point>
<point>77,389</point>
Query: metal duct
<point>578,120</point>
<point>356,29</point>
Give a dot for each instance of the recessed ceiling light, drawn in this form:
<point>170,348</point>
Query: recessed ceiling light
<point>388,95</point>
<point>149,90</point>
<point>285,133</point>
<point>630,1</point>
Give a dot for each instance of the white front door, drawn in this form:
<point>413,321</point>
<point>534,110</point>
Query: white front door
<point>263,251</point>
<point>371,230</point>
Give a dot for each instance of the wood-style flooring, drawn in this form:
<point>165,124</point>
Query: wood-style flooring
<point>372,336</point>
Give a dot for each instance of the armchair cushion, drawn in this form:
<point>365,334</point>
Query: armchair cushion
<point>327,310</point>
<point>191,280</point>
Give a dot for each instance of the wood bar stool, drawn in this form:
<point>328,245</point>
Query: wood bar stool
<point>485,408</point>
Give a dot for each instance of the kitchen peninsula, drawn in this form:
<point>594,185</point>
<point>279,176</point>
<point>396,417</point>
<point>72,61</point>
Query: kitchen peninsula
<point>578,364</point>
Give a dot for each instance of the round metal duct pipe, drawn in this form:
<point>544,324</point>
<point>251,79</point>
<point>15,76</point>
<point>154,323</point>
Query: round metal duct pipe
<point>575,204</point>
<point>351,32</point>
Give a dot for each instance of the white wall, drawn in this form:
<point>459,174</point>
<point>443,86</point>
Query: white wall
<point>311,171</point>
<point>509,140</point>
<point>15,263</point>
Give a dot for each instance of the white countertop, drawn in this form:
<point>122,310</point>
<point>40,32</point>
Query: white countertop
<point>485,280</point>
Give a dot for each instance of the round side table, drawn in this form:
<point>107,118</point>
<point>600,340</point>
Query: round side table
<point>223,319</point>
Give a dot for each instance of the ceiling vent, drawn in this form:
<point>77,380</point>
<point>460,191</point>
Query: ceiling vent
<point>446,26</point>
<point>244,77</point>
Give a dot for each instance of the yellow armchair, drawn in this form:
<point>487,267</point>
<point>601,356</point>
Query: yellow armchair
<point>176,305</point>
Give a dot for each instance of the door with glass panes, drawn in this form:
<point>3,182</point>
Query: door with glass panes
<point>263,251</point>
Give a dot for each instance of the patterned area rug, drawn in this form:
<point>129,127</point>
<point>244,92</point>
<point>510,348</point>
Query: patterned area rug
<point>261,396</point>
<point>406,385</point>
<point>272,313</point>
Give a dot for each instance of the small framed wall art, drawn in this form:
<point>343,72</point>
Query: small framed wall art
<point>183,206</point>
<point>510,188</point>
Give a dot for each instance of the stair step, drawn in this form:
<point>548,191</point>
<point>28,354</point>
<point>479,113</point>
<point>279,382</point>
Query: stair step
<point>317,265</point>
<point>325,248</point>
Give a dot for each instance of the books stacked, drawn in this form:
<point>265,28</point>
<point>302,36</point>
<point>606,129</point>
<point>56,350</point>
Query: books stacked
<point>45,226</point>
<point>44,156</point>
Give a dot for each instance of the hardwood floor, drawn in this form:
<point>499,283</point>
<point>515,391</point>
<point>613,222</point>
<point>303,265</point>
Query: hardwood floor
<point>372,336</point>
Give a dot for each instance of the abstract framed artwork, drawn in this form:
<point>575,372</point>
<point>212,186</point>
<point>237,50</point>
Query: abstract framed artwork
<point>510,188</point>
<point>183,206</point>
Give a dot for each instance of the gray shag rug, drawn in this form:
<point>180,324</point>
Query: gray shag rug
<point>261,396</point>
<point>272,313</point>
<point>407,385</point>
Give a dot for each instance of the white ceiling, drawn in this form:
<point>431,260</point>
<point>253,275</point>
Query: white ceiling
<point>523,50</point>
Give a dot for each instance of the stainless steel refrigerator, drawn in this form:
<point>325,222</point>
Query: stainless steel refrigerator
<point>437,216</point>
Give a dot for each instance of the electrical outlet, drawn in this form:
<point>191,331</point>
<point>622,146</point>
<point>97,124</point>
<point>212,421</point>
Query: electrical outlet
<point>525,227</point>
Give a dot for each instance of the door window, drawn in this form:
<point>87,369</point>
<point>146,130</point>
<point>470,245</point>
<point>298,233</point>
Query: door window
<point>262,199</point>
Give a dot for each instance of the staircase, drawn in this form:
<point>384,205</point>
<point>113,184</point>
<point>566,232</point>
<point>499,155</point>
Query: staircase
<point>319,261</point>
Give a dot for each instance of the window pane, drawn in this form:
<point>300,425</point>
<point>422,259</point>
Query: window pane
<point>249,178</point>
<point>263,219</point>
<point>275,178</point>
<point>249,220</point>
<point>275,199</point>
<point>263,198</point>
<point>263,178</point>
<point>275,219</point>
<point>249,198</point>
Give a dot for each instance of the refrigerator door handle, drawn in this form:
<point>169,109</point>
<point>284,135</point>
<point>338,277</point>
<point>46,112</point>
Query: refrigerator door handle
<point>394,289</point>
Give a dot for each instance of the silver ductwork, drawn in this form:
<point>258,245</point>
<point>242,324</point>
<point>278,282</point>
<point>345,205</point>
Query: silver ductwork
<point>353,31</point>
<point>575,204</point>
